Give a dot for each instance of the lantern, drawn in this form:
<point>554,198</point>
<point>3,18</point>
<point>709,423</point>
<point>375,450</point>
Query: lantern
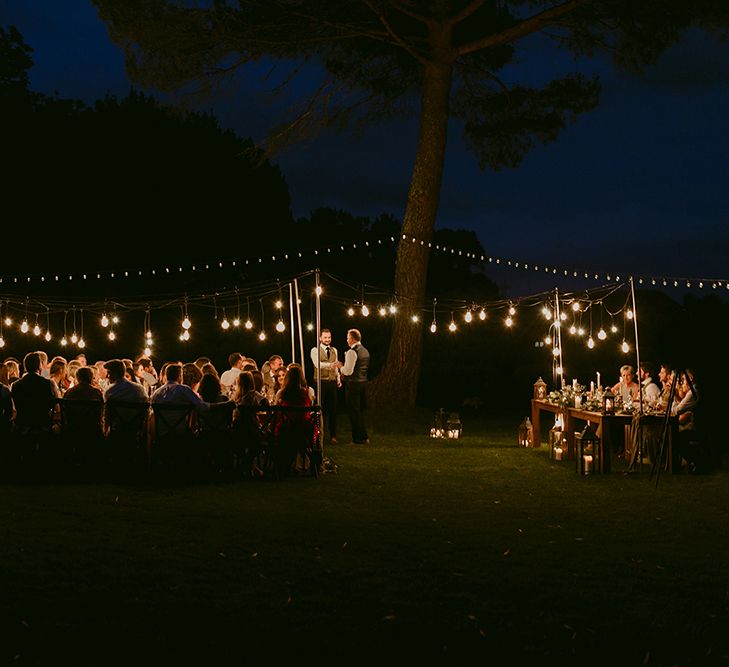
<point>437,430</point>
<point>525,434</point>
<point>454,428</point>
<point>557,441</point>
<point>588,451</point>
<point>540,389</point>
<point>608,403</point>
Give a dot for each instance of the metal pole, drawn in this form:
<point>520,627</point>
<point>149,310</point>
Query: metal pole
<point>293,333</point>
<point>298,314</point>
<point>318,358</point>
<point>558,327</point>
<point>637,346</point>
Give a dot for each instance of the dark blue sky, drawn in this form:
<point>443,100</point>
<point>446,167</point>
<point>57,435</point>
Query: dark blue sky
<point>638,185</point>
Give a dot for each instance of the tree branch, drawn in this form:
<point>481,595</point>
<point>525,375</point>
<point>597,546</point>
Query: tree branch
<point>398,6</point>
<point>398,40</point>
<point>469,9</point>
<point>522,29</point>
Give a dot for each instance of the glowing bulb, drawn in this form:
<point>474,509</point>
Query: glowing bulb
<point>563,316</point>
<point>512,310</point>
<point>280,326</point>
<point>625,347</point>
<point>64,342</point>
<point>236,322</point>
<point>262,335</point>
<point>555,351</point>
<point>310,327</point>
<point>2,342</point>
<point>225,324</point>
<point>318,290</point>
<point>182,337</point>
<point>8,321</point>
<point>186,324</point>
<point>147,352</point>
<point>279,304</point>
<point>509,322</point>
<point>365,311</point>
<point>383,312</point>
<point>149,342</point>
<point>415,319</point>
<point>185,335</point>
<point>248,324</point>
<point>559,370</point>
<point>452,326</point>
<point>24,326</point>
<point>433,327</point>
<point>614,329</point>
<point>81,343</point>
<point>629,314</point>
<point>590,342</point>
<point>48,336</point>
<point>580,332</point>
<point>576,306</point>
<point>547,313</point>
<point>350,311</point>
<point>393,309</point>
<point>115,319</point>
<point>548,340</point>
<point>74,338</point>
<point>104,321</point>
<point>482,314</point>
<point>469,316</point>
<point>148,334</point>
<point>573,329</point>
<point>602,335</point>
<point>112,335</point>
<point>36,330</point>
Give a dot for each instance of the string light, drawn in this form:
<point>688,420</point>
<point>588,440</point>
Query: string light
<point>548,340</point>
<point>279,304</point>
<point>280,326</point>
<point>509,321</point>
<point>262,336</point>
<point>24,327</point>
<point>580,331</point>
<point>602,335</point>
<point>415,319</point>
<point>555,352</point>
<point>36,330</point>
<point>48,336</point>
<point>563,316</point>
<point>468,316</point>
<point>186,324</point>
<point>629,314</point>
<point>482,314</point>
<point>225,325</point>
<point>350,311</point>
<point>248,324</point>
<point>115,319</point>
<point>383,311</point>
<point>452,326</point>
<point>547,313</point>
<point>112,335</point>
<point>236,322</point>
<point>318,291</point>
<point>64,342</point>
<point>614,329</point>
<point>625,347</point>
<point>74,338</point>
<point>8,321</point>
<point>512,310</point>
<point>310,327</point>
<point>393,309</point>
<point>433,327</point>
<point>104,321</point>
<point>186,335</point>
<point>365,311</point>
<point>576,306</point>
<point>591,342</point>
<point>573,329</point>
<point>2,342</point>
<point>81,343</point>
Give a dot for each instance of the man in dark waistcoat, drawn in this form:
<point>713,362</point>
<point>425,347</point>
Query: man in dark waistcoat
<point>354,373</point>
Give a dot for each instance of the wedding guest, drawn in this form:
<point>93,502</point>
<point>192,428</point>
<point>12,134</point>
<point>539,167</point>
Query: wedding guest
<point>84,390</point>
<point>627,388</point>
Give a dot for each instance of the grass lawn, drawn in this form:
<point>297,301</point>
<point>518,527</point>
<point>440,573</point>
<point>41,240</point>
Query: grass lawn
<point>449,553</point>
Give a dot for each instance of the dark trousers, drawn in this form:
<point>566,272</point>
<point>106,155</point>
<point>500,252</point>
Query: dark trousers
<point>356,395</point>
<point>329,407</point>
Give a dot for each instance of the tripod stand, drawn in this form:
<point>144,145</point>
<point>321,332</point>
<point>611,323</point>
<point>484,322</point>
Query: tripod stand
<point>656,467</point>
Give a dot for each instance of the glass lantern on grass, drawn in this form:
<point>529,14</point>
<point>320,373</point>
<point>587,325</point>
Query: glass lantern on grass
<point>525,434</point>
<point>557,441</point>
<point>588,458</point>
<point>454,427</point>
<point>437,430</point>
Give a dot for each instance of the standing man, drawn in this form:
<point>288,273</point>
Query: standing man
<point>355,368</point>
<point>325,357</point>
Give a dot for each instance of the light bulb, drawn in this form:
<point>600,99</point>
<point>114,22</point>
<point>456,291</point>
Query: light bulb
<point>81,343</point>
<point>468,316</point>
<point>36,330</point>
<point>147,352</point>
<point>433,327</point>
<point>509,322</point>
<point>182,336</point>
<point>625,347</point>
<point>555,351</point>
<point>548,340</point>
<point>580,332</point>
<point>318,290</point>
<point>365,311</point>
<point>310,327</point>
<point>262,335</point>
<point>383,312</point>
<point>415,319</point>
<point>547,313</point>
<point>614,329</point>
<point>590,342</point>
<point>112,335</point>
<point>186,324</point>
<point>2,342</point>
<point>225,324</point>
<point>24,326</point>
<point>280,326</point>
<point>576,306</point>
<point>452,326</point>
<point>149,342</point>
<point>482,314</point>
<point>104,321</point>
<point>393,309</point>
<point>236,322</point>
<point>559,370</point>
<point>8,321</point>
<point>279,304</point>
<point>629,314</point>
<point>248,324</point>
<point>185,335</point>
<point>602,335</point>
<point>563,316</point>
<point>48,336</point>
<point>115,319</point>
<point>573,329</point>
<point>74,338</point>
<point>148,334</point>
<point>64,342</point>
<point>512,310</point>
<point>350,311</point>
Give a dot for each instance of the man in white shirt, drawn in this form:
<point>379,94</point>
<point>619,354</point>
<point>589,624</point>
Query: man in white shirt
<point>324,358</point>
<point>651,391</point>
<point>229,378</point>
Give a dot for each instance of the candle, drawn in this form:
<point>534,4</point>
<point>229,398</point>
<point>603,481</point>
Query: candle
<point>598,380</point>
<point>588,463</point>
<point>574,383</point>
<point>592,388</point>
<point>557,453</point>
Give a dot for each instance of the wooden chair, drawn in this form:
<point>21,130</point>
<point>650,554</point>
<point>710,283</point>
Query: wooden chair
<point>172,438</point>
<point>295,445</point>
<point>82,433</point>
<point>125,424</point>
<point>214,437</point>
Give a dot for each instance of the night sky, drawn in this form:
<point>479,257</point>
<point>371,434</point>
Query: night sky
<point>638,185</point>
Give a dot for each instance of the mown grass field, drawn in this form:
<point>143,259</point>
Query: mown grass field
<point>416,549</point>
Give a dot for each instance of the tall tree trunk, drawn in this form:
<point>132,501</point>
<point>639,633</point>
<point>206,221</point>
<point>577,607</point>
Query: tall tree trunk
<point>398,382</point>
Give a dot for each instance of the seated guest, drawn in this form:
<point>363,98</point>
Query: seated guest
<point>210,390</point>
<point>627,388</point>
<point>209,369</point>
<point>59,375</point>
<point>228,378</point>
<point>34,397</point>
<point>191,376</point>
<point>120,387</point>
<point>13,369</point>
<point>6,400</point>
<point>102,377</point>
<point>691,445</point>
<point>173,392</point>
<point>245,392</point>
<point>146,373</point>
<point>84,389</point>
<point>201,361</point>
<point>651,391</point>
